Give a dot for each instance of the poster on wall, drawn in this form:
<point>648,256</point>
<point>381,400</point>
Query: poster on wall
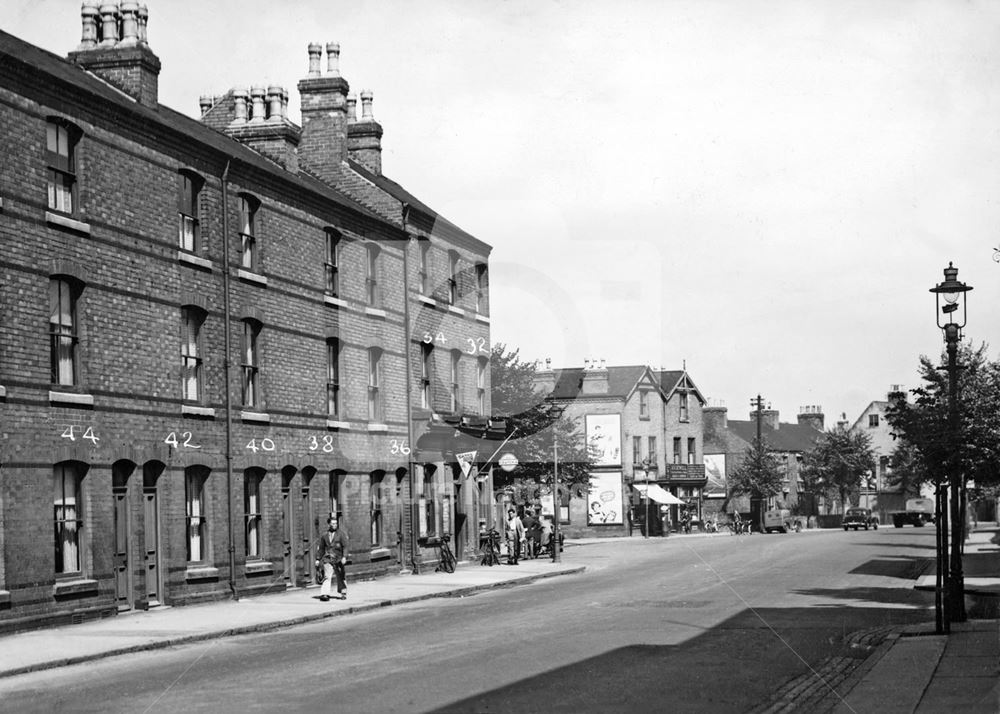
<point>604,442</point>
<point>604,502</point>
<point>715,473</point>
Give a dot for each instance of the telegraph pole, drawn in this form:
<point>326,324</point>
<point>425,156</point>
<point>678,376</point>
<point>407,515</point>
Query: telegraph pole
<point>758,403</point>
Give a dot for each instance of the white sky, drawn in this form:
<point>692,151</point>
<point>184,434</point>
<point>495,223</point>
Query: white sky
<point>763,189</point>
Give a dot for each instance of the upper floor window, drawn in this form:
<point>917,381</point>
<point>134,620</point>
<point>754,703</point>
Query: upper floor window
<point>188,187</point>
<point>332,263</point>
<point>191,321</point>
<point>872,421</point>
<point>195,479</point>
<point>481,288</point>
<point>636,449</point>
<point>425,275</point>
<point>652,450</point>
<point>63,337</point>
<point>677,449</point>
<point>250,357</point>
<point>375,412</point>
<point>61,141</point>
<point>371,275</point>
<point>452,277</point>
<point>692,451</point>
<point>426,376</point>
<point>333,377</point>
<point>336,505</point>
<point>482,367</point>
<point>455,374</point>
<point>250,249</point>
<point>643,405</point>
<point>68,518</point>
<point>253,512</point>
<point>683,401</point>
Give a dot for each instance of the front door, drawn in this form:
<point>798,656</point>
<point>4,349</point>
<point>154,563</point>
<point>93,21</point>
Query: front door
<point>151,529</point>
<point>122,567</point>
<point>288,532</point>
<point>308,567</point>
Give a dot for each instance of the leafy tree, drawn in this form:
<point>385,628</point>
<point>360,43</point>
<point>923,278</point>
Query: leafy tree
<point>837,463</point>
<point>539,425</point>
<point>907,470</point>
<point>759,475</point>
<point>970,447</point>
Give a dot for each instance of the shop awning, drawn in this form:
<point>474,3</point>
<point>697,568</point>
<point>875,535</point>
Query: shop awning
<point>659,494</point>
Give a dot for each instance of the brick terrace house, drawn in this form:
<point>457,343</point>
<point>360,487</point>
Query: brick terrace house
<point>630,417</point>
<point>726,442</point>
<point>214,332</point>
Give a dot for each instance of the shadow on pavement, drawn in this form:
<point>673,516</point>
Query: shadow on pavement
<point>733,667</point>
<point>905,567</point>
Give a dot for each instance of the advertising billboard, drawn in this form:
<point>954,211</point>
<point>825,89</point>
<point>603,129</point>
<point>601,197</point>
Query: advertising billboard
<point>604,502</point>
<point>604,439</point>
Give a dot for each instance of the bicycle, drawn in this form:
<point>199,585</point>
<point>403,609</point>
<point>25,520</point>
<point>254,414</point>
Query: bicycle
<point>490,544</point>
<point>447,561</point>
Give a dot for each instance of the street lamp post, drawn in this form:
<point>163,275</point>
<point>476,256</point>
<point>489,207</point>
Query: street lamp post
<point>952,293</point>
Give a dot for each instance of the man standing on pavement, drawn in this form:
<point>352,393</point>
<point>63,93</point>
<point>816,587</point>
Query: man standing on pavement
<point>332,556</point>
<point>515,534</point>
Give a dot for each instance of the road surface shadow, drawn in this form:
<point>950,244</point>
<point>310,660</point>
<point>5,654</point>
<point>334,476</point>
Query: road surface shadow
<point>905,567</point>
<point>733,667</point>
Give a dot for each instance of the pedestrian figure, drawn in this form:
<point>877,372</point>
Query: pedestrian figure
<point>533,533</point>
<point>331,555</point>
<point>515,535</point>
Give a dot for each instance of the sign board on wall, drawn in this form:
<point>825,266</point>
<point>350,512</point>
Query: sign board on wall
<point>715,472</point>
<point>604,502</point>
<point>604,439</point>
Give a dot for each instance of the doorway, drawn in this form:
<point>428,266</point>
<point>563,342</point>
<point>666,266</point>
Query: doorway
<point>151,533</point>
<point>308,567</point>
<point>288,527</point>
<point>122,548</point>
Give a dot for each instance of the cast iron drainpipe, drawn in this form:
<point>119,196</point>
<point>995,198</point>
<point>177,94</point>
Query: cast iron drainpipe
<point>226,370</point>
<point>409,385</point>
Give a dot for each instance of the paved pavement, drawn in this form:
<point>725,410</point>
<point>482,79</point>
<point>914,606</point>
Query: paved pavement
<point>912,670</point>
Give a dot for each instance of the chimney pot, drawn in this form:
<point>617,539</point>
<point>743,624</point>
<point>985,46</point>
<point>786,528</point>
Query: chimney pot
<point>239,106</point>
<point>366,105</point>
<point>274,93</point>
<point>352,108</point>
<point>130,23</point>
<point>206,101</point>
<point>586,364</point>
<point>548,363</point>
<point>333,59</point>
<point>602,364</point>
<point>315,53</point>
<point>143,18</point>
<point>109,25</point>
<point>257,94</point>
<point>88,15</point>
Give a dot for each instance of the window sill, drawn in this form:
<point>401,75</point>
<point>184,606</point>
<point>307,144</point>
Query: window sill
<point>4,594</point>
<point>427,300</point>
<point>77,400</point>
<point>378,427</point>
<point>261,417</point>
<point>80,586</point>
<point>260,567</point>
<point>191,259</point>
<point>375,312</point>
<point>643,418</point>
<point>485,319</point>
<point>380,553</point>
<point>3,392</point>
<point>334,424</point>
<point>72,224</point>
<point>251,277</point>
<point>334,301</point>
<point>191,410</point>
<point>1,208</point>
<point>456,310</point>
<point>201,573</point>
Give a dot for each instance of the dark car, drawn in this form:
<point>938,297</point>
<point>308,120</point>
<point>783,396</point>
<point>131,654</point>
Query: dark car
<point>859,518</point>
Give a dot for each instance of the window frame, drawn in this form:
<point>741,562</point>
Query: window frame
<point>482,368</point>
<point>481,288</point>
<point>643,404</point>
<point>426,376</point>
<point>333,405</point>
<point>64,330</point>
<point>250,363</point>
<point>249,231</point>
<point>376,408</point>
<point>873,421</point>
<point>188,224</point>
<point>253,514</point>
<point>72,529</point>
<point>195,515</point>
<point>636,450</point>
<point>424,273</point>
<point>192,320</point>
<point>334,240</point>
<point>677,450</point>
<point>336,505</point>
<point>372,292</point>
<point>455,374</point>
<point>62,179</point>
<point>376,507</point>
<point>651,445</point>
<point>683,407</point>
<point>692,450</point>
<point>453,266</point>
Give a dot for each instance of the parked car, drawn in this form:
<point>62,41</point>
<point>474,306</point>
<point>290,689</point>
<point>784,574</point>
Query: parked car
<point>781,520</point>
<point>859,518</point>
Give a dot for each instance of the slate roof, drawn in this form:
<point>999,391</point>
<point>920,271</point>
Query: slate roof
<point>621,381</point>
<point>15,53</point>
<point>789,437</point>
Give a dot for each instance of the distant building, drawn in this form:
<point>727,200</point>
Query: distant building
<point>726,443</point>
<point>875,490</point>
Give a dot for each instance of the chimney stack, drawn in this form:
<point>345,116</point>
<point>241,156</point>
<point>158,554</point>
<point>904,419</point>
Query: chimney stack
<point>715,421</point>
<point>811,416</point>
<point>595,380</point>
<point>544,380</point>
<point>364,136</point>
<point>113,46</point>
<point>259,119</point>
<point>323,148</point>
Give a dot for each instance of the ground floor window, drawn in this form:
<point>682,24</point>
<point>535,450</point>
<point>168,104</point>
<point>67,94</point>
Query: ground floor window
<point>195,479</point>
<point>68,518</point>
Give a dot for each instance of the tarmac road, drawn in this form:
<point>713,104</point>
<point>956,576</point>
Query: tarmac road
<point>689,624</point>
